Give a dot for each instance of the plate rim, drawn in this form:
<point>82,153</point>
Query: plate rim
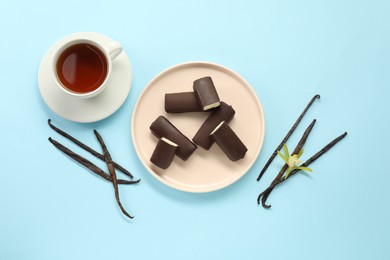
<point>212,187</point>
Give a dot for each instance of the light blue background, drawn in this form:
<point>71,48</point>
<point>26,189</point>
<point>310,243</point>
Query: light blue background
<point>51,208</point>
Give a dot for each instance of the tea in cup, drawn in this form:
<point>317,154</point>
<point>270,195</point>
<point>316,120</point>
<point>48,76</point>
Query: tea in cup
<point>82,67</point>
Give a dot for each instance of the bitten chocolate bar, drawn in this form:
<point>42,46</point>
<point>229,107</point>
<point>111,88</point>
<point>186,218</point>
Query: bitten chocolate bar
<point>229,142</point>
<point>206,93</point>
<point>162,127</point>
<point>163,153</point>
<point>181,102</point>
<point>225,113</point>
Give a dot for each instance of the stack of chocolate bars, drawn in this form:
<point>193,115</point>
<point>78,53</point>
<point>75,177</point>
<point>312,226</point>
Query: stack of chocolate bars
<point>215,129</point>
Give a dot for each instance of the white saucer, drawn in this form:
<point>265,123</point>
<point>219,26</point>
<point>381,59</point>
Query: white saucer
<point>204,171</point>
<point>92,109</point>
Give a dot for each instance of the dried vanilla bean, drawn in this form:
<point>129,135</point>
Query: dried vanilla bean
<point>86,163</point>
<point>299,146</point>
<point>287,136</point>
<point>111,169</point>
<point>87,148</point>
<point>316,156</point>
<point>264,195</point>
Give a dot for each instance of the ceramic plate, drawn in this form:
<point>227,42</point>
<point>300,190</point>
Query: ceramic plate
<point>91,109</point>
<point>204,171</point>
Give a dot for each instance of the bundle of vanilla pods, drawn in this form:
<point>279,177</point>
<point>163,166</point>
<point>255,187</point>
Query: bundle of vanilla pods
<point>289,166</point>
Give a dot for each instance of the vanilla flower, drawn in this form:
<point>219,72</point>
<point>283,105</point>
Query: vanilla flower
<point>292,161</point>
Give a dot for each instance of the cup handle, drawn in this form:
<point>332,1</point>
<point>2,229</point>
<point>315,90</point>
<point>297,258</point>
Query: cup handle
<point>113,49</point>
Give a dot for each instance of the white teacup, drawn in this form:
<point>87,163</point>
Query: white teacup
<point>81,66</point>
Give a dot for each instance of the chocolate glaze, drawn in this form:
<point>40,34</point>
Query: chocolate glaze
<point>206,93</point>
<point>225,113</point>
<point>162,127</point>
<point>163,153</point>
<point>181,102</point>
<point>229,142</point>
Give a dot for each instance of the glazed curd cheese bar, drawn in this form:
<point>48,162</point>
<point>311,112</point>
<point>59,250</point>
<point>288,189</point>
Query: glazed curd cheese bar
<point>229,142</point>
<point>203,98</point>
<point>181,102</point>
<point>206,93</point>
<point>225,113</point>
<point>162,127</point>
<point>163,153</point>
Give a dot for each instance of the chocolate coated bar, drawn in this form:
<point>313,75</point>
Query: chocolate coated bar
<point>206,93</point>
<point>163,153</point>
<point>225,113</point>
<point>229,142</point>
<point>162,127</point>
<point>181,102</point>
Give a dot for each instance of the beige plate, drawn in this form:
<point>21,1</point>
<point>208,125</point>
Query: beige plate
<point>205,170</point>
